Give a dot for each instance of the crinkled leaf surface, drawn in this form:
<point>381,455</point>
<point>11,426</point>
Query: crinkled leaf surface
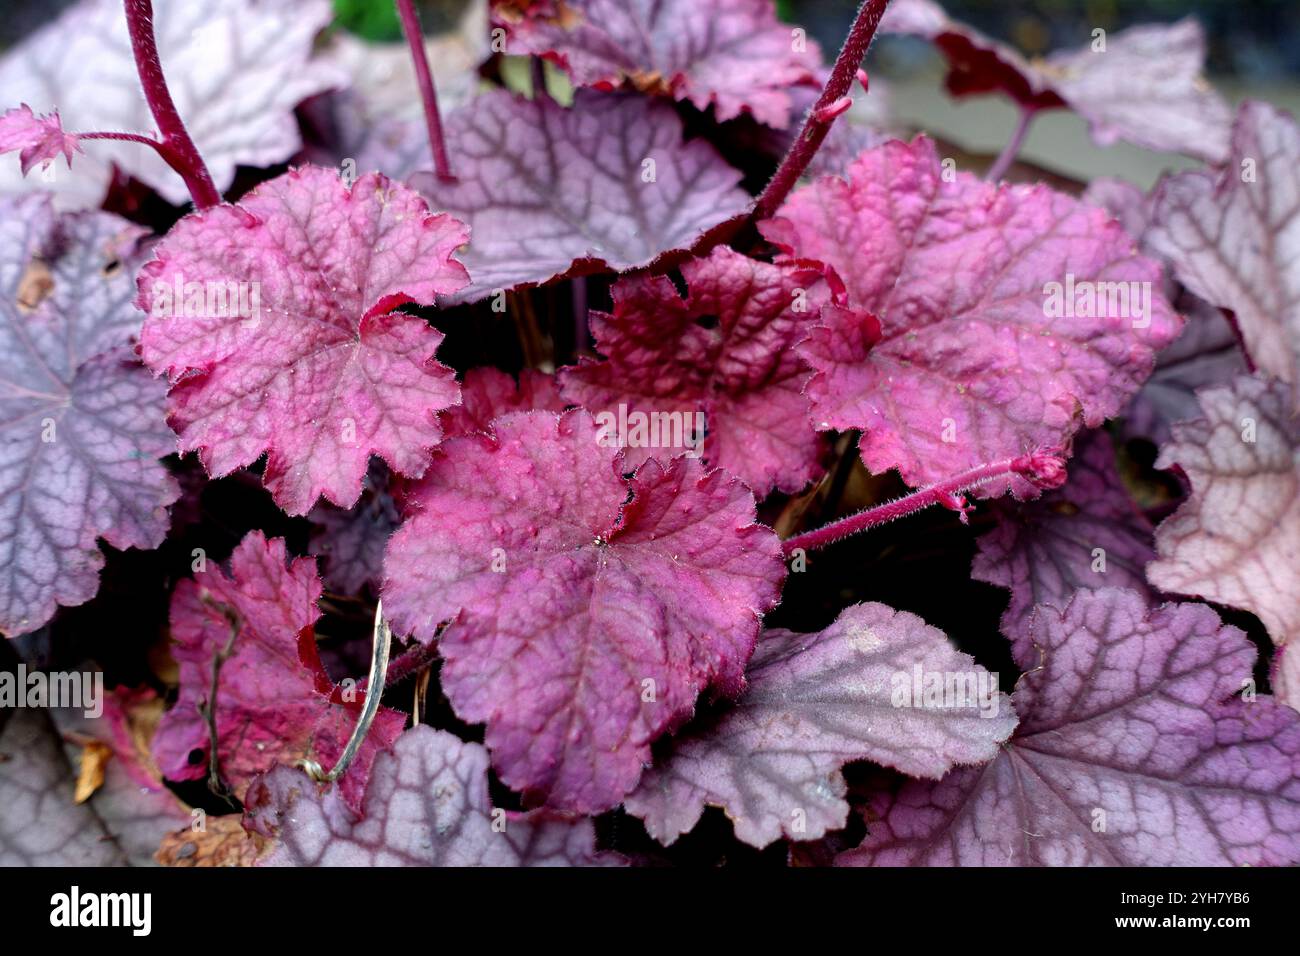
<point>1234,236</point>
<point>274,703</point>
<point>1131,751</point>
<point>1236,540</point>
<point>550,192</point>
<point>83,422</point>
<point>351,543</point>
<point>733,55</point>
<point>1087,534</point>
<point>489,393</point>
<point>321,373</point>
<point>726,350</point>
<point>975,363</point>
<point>606,617</point>
<point>1145,85</point>
<point>814,703</point>
<point>427,805</point>
<point>236,69</point>
<point>38,139</point>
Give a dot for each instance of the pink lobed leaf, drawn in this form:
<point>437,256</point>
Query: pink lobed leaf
<point>274,703</point>
<point>427,805</point>
<point>726,351</point>
<point>1236,540</point>
<point>814,703</point>
<point>1087,534</point>
<point>584,623</point>
<point>38,139</point>
<point>83,423</point>
<point>733,55</point>
<point>978,290</point>
<point>551,192</point>
<point>1233,236</point>
<point>314,368</point>
<point>1131,751</point>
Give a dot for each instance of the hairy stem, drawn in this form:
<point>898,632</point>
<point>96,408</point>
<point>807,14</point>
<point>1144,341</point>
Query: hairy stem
<point>818,122</point>
<point>176,147</point>
<point>428,93</point>
<point>1012,149</point>
<point>1044,469</point>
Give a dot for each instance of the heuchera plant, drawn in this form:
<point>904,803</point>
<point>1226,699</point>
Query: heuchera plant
<point>511,480</point>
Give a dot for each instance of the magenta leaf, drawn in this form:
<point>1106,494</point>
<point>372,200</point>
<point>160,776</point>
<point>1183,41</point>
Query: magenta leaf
<point>814,703</point>
<point>350,543</point>
<point>236,69</point>
<point>733,55</point>
<point>584,624</point>
<point>1010,316</point>
<point>723,359</point>
<point>1144,85</point>
<point>1131,751</point>
<point>427,805</point>
<point>551,192</point>
<point>1236,540</point>
<point>273,702</point>
<point>1233,236</point>
<point>1087,534</point>
<point>489,393</point>
<point>38,139</point>
<point>312,366</point>
<point>83,423</point>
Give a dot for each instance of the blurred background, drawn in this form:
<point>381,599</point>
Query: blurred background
<point>1254,51</point>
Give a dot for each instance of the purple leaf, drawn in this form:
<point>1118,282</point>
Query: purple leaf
<point>551,192</point>
<point>1144,85</point>
<point>313,367</point>
<point>351,543</point>
<point>1233,236</point>
<point>83,422</point>
<point>733,55</point>
<point>427,805</point>
<point>584,624</point>
<point>273,701</point>
<point>1131,751</point>
<point>1085,535</point>
<point>1011,315</point>
<point>814,703</point>
<point>1236,540</point>
<point>134,806</point>
<point>725,352</point>
<point>48,820</point>
<point>236,69</point>
<point>41,825</point>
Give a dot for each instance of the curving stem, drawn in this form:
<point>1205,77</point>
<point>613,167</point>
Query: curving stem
<point>829,105</point>
<point>176,147</point>
<point>1012,149</point>
<point>428,93</point>
<point>374,692</point>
